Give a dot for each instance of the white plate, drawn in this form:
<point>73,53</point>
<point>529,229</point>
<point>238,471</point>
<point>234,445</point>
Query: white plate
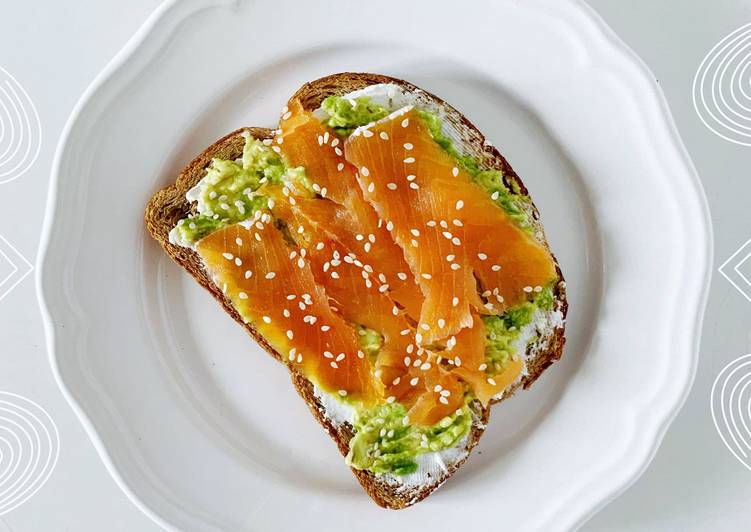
<point>203,430</point>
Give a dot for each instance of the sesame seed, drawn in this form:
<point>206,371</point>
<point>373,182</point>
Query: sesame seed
<point>527,289</point>
<point>450,343</point>
<point>239,241</point>
<point>266,319</point>
<point>426,276</point>
<point>360,354</point>
<point>409,160</point>
<point>415,232</point>
<point>483,367</point>
<point>455,171</point>
<point>396,381</point>
<point>286,313</point>
<point>447,235</point>
<point>228,256</point>
<point>270,275</point>
<point>491,381</point>
<point>340,167</point>
<point>414,243</point>
<point>457,222</point>
<point>291,297</point>
<point>538,288</point>
<point>410,348</point>
<point>454,301</point>
<point>482,256</point>
<point>257,236</point>
<point>276,149</point>
<point>414,186</point>
<point>389,226</point>
<point>320,140</point>
<point>324,191</point>
<point>367,133</point>
<point>402,276</point>
<point>457,361</point>
<point>364,171</point>
<point>449,258</point>
<point>338,151</point>
<point>456,241</point>
<point>334,275</point>
<point>437,388</point>
<point>408,146</point>
<point>371,187</point>
<point>340,357</point>
<point>248,274</point>
<point>425,366</point>
<point>334,365</point>
<point>405,122</point>
<point>494,195</point>
<point>425,326</point>
<point>384,135</point>
<point>404,332</point>
<point>459,205</point>
<point>445,393</point>
<point>418,338</point>
<point>395,310</point>
<point>411,177</point>
<point>443,400</point>
<point>238,261</point>
<point>343,393</point>
<point>405,420</point>
<point>391,186</point>
<point>383,288</point>
<point>334,142</point>
<point>328,354</point>
<point>441,323</point>
<point>286,115</point>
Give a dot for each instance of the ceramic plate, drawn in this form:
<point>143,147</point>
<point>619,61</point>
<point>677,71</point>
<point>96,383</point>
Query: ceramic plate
<point>204,431</point>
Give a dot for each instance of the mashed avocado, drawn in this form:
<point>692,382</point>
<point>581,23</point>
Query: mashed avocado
<point>229,192</point>
<point>384,444</point>
<point>370,340</point>
<point>502,331</point>
<point>346,114</point>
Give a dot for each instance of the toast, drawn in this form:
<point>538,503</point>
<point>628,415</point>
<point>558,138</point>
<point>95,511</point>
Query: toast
<point>170,205</point>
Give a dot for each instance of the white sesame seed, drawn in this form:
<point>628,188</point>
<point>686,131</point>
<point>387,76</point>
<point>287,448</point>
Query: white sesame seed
<point>528,289</point>
<point>410,348</point>
<point>257,236</point>
<point>459,205</point>
<point>286,313</point>
<point>396,381</point>
<point>364,171</point>
<point>418,338</point>
<point>456,241</point>
<point>270,275</point>
<point>367,133</point>
<point>340,167</point>
<point>334,143</point>
<point>266,319</point>
<point>437,388</point>
<point>457,222</point>
<point>402,276</point>
<point>414,243</point>
<point>538,289</point>
<point>334,275</point>
<point>390,399</point>
<point>228,256</point>
<point>340,357</point>
<point>425,326</point>
<point>384,135</point>
<point>455,171</point>
<point>371,187</point>
<point>391,186</point>
<point>389,226</point>
<point>404,332</point>
<point>441,323</point>
<point>447,235</point>
<point>426,276</point>
<point>445,393</point>
<point>415,232</point>
<point>457,361</point>
<point>495,267</point>
<point>343,393</point>
<point>276,149</point>
<point>248,274</point>
<point>491,381</point>
<point>405,122</point>
<point>443,400</point>
<point>409,160</point>
<point>408,146</point>
<point>291,297</point>
<point>328,354</point>
<point>494,195</point>
<point>425,366</point>
<point>334,365</point>
<point>454,301</point>
<point>482,256</point>
<point>483,367</point>
<point>411,177</point>
<point>360,354</point>
<point>324,191</point>
<point>455,266</point>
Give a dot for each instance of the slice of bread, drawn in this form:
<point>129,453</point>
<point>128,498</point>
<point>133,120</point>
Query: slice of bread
<point>169,205</point>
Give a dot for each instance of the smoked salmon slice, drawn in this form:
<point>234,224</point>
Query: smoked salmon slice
<point>271,284</point>
<point>456,241</point>
<point>307,142</point>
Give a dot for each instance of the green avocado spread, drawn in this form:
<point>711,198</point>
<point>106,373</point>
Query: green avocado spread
<point>385,443</point>
<point>229,192</point>
<point>346,114</point>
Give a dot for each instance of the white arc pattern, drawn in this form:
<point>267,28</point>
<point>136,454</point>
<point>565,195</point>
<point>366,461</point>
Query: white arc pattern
<point>731,408</point>
<point>29,449</point>
<point>20,129</point>
<point>722,87</point>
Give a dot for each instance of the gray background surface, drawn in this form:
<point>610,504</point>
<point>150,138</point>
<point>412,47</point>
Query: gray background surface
<point>54,49</point>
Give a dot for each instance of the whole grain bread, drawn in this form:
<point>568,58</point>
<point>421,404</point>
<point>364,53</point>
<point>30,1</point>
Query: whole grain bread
<point>169,205</point>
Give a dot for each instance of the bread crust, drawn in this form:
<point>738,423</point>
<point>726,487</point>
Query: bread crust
<point>169,205</point>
